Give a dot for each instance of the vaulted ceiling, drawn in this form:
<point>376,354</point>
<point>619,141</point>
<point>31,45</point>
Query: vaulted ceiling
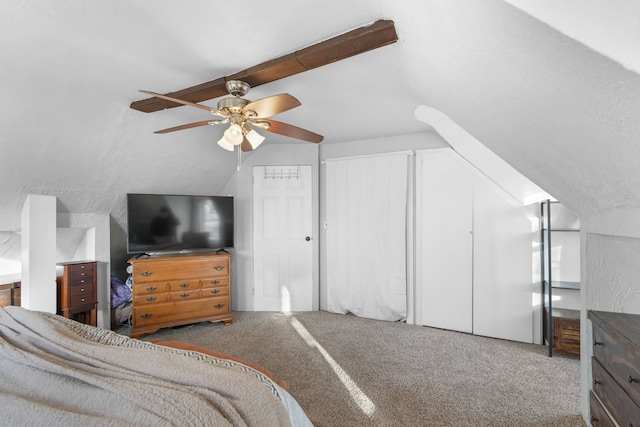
<point>562,114</point>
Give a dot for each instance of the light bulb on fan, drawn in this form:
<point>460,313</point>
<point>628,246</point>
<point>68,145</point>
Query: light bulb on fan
<point>233,135</point>
<point>225,144</point>
<point>254,138</point>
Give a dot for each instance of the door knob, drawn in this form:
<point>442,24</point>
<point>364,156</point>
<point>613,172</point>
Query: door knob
<point>307,238</point>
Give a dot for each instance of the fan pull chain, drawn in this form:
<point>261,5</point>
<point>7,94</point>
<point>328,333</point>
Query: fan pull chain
<point>239,158</point>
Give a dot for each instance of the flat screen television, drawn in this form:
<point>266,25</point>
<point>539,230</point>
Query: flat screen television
<point>178,223</point>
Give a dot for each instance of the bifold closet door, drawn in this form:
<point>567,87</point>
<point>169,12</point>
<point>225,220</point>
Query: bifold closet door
<point>444,241</point>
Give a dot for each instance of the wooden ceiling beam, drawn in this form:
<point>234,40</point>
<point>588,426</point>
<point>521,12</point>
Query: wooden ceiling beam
<point>351,43</point>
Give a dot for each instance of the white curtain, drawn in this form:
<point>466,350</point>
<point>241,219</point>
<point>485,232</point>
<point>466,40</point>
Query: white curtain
<point>366,236</point>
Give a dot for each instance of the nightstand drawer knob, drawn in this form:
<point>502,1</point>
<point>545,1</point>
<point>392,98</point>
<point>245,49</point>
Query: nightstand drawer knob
<point>146,273</point>
<point>219,305</point>
<point>146,315</point>
<point>82,299</point>
<point>184,285</point>
<point>215,291</point>
<point>81,289</point>
<point>219,267</point>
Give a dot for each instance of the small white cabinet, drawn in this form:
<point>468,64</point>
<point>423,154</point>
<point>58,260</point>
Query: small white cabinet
<point>473,251</point>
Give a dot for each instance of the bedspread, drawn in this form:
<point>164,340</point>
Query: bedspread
<point>68,373</point>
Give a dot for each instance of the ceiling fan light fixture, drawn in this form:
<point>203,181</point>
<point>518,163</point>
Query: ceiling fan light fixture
<point>234,135</point>
<point>223,143</point>
<point>254,138</point>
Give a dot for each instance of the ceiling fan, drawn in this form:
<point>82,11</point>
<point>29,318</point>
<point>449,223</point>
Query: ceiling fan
<point>244,117</point>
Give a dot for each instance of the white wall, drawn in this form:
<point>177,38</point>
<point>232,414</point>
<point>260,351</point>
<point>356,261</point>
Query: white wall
<point>38,290</point>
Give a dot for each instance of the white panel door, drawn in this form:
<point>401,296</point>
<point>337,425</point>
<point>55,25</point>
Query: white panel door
<point>444,242</point>
<point>502,282</point>
<point>283,250</point>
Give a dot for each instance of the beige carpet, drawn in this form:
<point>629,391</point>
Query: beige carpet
<point>349,371</point>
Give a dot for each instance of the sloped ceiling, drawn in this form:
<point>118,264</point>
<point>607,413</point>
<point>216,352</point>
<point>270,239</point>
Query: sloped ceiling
<point>560,113</point>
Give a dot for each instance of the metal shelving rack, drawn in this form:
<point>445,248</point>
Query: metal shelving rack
<point>546,276</point>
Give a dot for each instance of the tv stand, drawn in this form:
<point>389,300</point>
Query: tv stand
<point>180,289</point>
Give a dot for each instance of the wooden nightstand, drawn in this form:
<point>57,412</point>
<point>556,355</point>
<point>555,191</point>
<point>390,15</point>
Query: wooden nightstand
<point>77,292</point>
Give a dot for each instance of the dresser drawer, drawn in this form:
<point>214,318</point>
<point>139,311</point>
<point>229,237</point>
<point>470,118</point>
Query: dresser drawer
<point>178,311</point>
<point>82,299</point>
<point>619,357</point>
<point>215,292</point>
<point>215,282</point>
<point>184,295</point>
<point>184,285</point>
<point>169,269</point>
<point>623,409</point>
<point>598,416</point>
<point>150,298</point>
<point>149,288</point>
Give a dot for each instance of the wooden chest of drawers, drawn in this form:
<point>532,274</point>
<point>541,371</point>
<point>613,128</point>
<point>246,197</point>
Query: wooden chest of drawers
<point>172,290</point>
<point>615,368</point>
<point>77,292</point>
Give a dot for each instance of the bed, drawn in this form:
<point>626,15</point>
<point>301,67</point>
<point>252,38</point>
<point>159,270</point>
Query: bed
<point>63,372</point>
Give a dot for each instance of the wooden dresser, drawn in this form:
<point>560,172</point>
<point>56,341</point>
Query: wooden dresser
<point>615,368</point>
<point>172,290</point>
<point>77,292</point>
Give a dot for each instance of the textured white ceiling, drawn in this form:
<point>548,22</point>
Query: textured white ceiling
<point>562,114</point>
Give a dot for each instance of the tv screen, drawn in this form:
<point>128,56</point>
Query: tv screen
<point>175,223</point>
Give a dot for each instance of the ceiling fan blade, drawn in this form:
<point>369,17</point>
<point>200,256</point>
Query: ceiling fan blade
<point>189,126</point>
<point>272,105</point>
<point>180,101</point>
<point>246,145</point>
<point>290,131</point>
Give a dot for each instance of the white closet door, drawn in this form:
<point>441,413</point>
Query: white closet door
<point>366,236</point>
<point>444,243</point>
<point>502,283</point>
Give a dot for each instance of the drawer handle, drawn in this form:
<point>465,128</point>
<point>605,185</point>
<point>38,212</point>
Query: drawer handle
<point>146,315</point>
<point>597,342</point>
<point>82,300</point>
<point>184,285</point>
<point>146,273</point>
<point>82,281</point>
<point>218,306</point>
<point>151,288</point>
<point>215,282</point>
<point>632,380</point>
<point>215,291</point>
<point>594,419</point>
<point>219,267</point>
<point>151,299</point>
<point>596,382</point>
<point>184,295</point>
<point>81,289</point>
